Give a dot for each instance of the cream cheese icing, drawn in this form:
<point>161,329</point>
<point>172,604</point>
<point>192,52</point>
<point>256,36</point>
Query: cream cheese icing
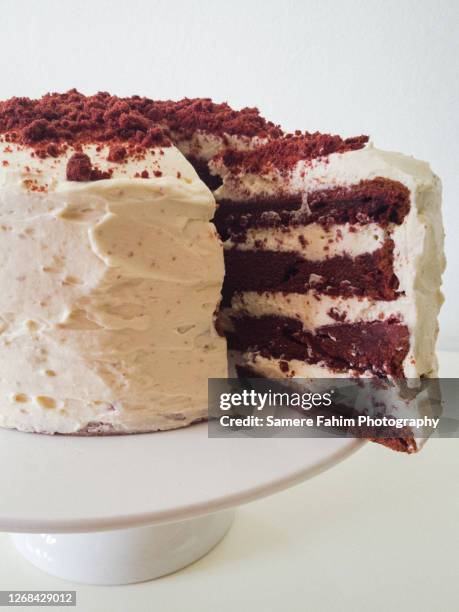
<point>314,242</point>
<point>313,313</point>
<point>204,145</point>
<point>109,294</point>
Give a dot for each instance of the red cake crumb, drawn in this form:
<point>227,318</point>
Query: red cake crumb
<point>33,185</point>
<point>334,313</point>
<point>117,153</point>
<point>99,175</point>
<point>283,153</point>
<point>80,169</point>
<point>283,365</point>
<point>144,174</point>
<point>302,240</point>
<point>53,150</point>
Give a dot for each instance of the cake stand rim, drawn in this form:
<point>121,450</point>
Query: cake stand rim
<point>344,449</point>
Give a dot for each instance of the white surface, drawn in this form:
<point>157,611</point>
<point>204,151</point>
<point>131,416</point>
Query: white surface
<point>65,484</point>
<point>125,555</point>
<point>381,67</point>
<point>377,533</point>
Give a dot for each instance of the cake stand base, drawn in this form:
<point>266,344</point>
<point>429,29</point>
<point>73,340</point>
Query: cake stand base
<point>125,555</point>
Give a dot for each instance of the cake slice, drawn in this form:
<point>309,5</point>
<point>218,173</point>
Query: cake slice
<point>333,258</point>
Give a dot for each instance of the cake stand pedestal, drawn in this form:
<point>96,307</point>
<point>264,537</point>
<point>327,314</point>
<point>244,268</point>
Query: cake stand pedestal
<point>122,509</point>
<point>125,555</point>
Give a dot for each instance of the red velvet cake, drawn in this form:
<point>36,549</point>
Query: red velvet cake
<point>332,259</point>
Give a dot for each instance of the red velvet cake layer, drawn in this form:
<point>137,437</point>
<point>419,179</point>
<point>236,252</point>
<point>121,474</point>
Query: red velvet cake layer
<point>400,439</point>
<point>379,200</point>
<point>370,274</point>
<point>378,346</point>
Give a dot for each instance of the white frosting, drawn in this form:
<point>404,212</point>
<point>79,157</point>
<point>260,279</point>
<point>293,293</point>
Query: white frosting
<point>314,242</point>
<point>314,313</point>
<point>418,251</point>
<point>108,294</point>
<point>270,367</point>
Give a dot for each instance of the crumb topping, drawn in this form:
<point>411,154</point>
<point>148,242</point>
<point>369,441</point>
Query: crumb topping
<point>130,127</point>
<point>284,153</point>
<point>51,122</point>
<point>72,118</point>
<point>191,114</point>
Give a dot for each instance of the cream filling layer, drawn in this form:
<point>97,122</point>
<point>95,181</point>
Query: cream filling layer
<point>314,242</point>
<point>271,368</point>
<point>336,170</point>
<point>204,145</point>
<point>315,310</point>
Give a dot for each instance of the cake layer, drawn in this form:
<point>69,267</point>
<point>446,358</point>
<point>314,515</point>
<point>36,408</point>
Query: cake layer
<point>379,346</point>
<point>379,200</point>
<point>398,439</point>
<point>315,312</point>
<point>370,274</point>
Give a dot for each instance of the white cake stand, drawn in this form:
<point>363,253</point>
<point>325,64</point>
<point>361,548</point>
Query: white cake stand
<point>124,509</point>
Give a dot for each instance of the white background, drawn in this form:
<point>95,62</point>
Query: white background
<point>384,68</point>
